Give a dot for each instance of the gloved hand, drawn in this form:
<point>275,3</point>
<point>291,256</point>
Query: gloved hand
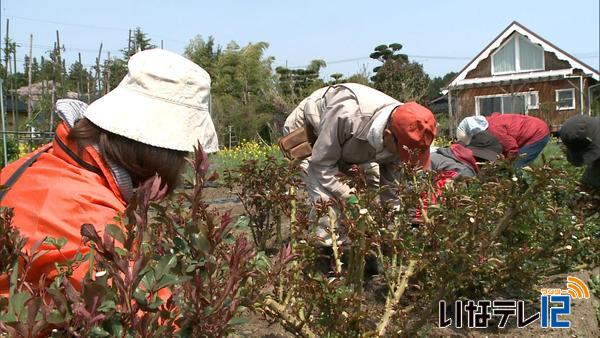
<point>352,200</point>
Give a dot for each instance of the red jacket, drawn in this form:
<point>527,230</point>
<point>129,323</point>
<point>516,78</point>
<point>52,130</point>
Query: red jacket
<point>56,195</point>
<point>515,131</point>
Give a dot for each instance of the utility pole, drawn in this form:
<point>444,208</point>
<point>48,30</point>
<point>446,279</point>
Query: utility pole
<point>60,66</point>
<point>29,104</point>
<point>7,65</point>
<point>6,48</point>
<point>80,73</point>
<point>89,95</point>
<point>52,99</point>
<point>129,45</point>
<point>98,83</point>
<point>13,93</point>
<point>3,124</point>
<point>108,73</point>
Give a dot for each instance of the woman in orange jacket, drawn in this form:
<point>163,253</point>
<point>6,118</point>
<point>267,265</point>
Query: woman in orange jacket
<point>100,153</point>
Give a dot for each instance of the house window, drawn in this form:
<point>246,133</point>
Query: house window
<point>488,105</point>
<point>519,103</point>
<point>504,59</point>
<point>531,56</point>
<point>518,54</point>
<point>533,100</point>
<point>565,99</point>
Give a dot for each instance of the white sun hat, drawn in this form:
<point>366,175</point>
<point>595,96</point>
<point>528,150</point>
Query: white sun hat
<point>163,101</point>
<point>470,126</point>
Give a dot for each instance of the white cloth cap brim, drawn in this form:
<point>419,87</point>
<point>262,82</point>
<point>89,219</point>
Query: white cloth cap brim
<point>462,137</point>
<point>154,121</point>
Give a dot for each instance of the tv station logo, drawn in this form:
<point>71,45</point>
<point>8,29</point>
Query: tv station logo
<point>555,305</point>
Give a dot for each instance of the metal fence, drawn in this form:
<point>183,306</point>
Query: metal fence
<point>31,138</point>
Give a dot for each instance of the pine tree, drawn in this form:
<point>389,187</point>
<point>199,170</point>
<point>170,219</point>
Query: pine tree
<point>139,42</point>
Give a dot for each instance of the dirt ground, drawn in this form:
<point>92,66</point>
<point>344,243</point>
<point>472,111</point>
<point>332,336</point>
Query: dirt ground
<point>582,317</point>
<point>583,311</point>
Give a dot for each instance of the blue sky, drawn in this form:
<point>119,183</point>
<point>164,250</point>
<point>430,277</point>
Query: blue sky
<point>442,35</point>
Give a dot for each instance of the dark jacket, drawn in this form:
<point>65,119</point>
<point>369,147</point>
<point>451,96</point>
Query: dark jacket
<point>581,135</point>
<point>443,159</point>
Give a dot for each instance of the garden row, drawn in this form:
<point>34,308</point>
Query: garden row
<point>180,267</point>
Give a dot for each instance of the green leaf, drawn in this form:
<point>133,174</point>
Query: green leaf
<point>120,251</point>
<point>395,46</point>
<point>375,55</point>
<point>185,332</point>
<point>241,222</point>
<point>229,239</point>
<point>55,317</point>
<point>61,242</point>
<point>237,321</point>
<point>165,265</point>
<point>114,326</point>
<point>16,305</point>
<point>180,244</point>
<point>58,297</point>
<point>381,48</point>
<point>154,305</point>
<point>140,297</point>
<point>168,280</point>
<point>58,243</point>
<point>116,232</point>
<point>13,278</point>
<point>97,331</point>
<point>148,279</point>
<point>200,242</point>
<point>107,306</point>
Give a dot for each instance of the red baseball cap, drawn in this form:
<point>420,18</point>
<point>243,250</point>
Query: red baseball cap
<point>413,127</point>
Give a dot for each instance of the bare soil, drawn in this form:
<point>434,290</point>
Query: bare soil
<point>583,311</point>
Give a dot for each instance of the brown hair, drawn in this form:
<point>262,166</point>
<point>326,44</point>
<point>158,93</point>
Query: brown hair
<point>140,160</point>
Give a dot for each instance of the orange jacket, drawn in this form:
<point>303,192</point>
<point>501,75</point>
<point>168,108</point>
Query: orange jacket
<point>53,197</point>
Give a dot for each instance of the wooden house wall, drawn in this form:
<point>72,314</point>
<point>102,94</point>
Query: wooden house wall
<point>463,101</point>
<point>484,68</point>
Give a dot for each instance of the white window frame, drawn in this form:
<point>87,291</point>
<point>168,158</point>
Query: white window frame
<point>526,94</point>
<point>517,57</point>
<point>572,106</point>
<point>537,100</point>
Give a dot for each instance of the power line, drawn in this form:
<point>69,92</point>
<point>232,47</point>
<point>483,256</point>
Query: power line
<point>67,24</point>
<point>118,29</point>
<point>67,49</point>
<point>590,55</point>
<point>121,29</point>
<point>83,64</point>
